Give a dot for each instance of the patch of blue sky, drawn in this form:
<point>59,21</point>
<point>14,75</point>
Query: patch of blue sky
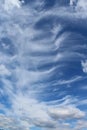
<point>35,128</point>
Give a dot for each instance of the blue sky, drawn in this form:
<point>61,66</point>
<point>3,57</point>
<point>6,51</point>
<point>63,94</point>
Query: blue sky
<point>43,64</point>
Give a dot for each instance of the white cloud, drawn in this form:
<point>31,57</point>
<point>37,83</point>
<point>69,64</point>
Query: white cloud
<point>12,124</point>
<point>80,8</point>
<point>42,115</point>
<point>72,2</point>
<point>82,5</point>
<point>84,66</point>
<point>72,80</point>
<point>10,4</point>
<point>4,71</point>
<point>26,107</point>
<point>66,112</point>
<point>81,124</point>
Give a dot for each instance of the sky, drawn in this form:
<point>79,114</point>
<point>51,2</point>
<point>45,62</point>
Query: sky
<point>43,64</point>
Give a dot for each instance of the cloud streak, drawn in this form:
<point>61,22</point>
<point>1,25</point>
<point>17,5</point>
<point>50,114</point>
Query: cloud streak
<point>32,57</point>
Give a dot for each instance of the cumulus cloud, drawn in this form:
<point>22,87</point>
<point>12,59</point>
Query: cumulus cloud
<point>42,115</point>
<point>13,124</point>
<point>66,112</point>
<point>81,124</point>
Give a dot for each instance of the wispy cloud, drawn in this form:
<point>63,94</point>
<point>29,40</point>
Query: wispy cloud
<point>27,48</point>
<point>73,80</point>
